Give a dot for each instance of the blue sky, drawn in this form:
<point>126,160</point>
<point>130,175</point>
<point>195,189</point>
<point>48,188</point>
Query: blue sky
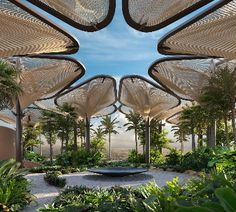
<point>116,50</point>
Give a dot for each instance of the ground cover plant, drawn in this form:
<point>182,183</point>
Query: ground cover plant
<point>14,188</point>
<point>53,178</point>
<point>201,194</point>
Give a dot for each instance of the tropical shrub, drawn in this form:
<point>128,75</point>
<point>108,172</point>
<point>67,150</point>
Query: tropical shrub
<point>224,160</point>
<point>64,159</point>
<point>85,158</point>
<point>14,188</point>
<point>63,170</point>
<point>135,157</point>
<point>53,178</point>
<point>33,156</point>
<point>174,157</point>
<point>197,160</point>
<point>156,158</point>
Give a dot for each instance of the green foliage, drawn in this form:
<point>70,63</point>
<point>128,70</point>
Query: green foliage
<point>62,169</point>
<point>83,157</point>
<point>224,160</point>
<point>135,157</point>
<point>14,188</point>
<point>53,178</point>
<point>174,157</point>
<point>35,157</point>
<point>8,84</point>
<point>86,199</point>
<point>64,159</point>
<point>156,158</point>
<point>30,137</point>
<point>97,144</point>
<point>197,160</point>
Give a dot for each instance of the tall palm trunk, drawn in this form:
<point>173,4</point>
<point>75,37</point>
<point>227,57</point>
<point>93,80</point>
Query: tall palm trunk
<point>136,140</point>
<point>62,142</point>
<point>200,141</point>
<point>182,145</point>
<point>193,139</point>
<point>81,140</point>
<point>50,145</point>
<point>75,138</point>
<point>212,132</point>
<point>109,141</point>
<point>226,129</point>
<point>233,122</point>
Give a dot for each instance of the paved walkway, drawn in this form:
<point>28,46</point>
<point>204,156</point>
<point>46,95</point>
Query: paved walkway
<point>45,193</point>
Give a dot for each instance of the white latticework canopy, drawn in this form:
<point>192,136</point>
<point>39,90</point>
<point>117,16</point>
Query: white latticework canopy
<point>95,97</point>
<point>88,15</point>
<point>23,32</point>
<point>145,97</point>
<point>211,34</point>
<point>44,77</point>
<point>186,76</point>
<point>150,15</point>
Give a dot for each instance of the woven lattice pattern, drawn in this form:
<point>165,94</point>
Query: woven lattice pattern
<point>187,77</point>
<point>213,35</point>
<point>44,77</point>
<point>80,13</point>
<point>22,33</point>
<point>145,98</point>
<point>150,15</point>
<point>8,116</point>
<point>92,97</point>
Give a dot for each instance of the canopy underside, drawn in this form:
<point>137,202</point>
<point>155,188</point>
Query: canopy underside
<point>211,34</point>
<point>91,98</point>
<point>87,15</point>
<point>23,32</point>
<point>144,97</point>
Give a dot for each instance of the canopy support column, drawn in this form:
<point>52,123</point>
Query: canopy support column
<point>18,132</point>
<point>87,124</point>
<point>147,141</point>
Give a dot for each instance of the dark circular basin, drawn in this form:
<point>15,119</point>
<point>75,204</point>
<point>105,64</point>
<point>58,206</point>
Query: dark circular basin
<point>118,171</point>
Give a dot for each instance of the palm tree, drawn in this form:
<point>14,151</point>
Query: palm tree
<point>49,129</point>
<point>99,133</point>
<point>180,133</point>
<point>70,123</point>
<point>109,126</point>
<point>223,83</point>
<point>134,122</point>
<point>187,119</point>
<point>9,87</point>
<point>81,130</point>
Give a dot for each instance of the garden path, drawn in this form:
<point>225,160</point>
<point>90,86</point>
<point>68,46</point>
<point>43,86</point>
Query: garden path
<point>45,193</point>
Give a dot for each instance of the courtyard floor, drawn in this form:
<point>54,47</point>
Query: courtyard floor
<point>45,193</point>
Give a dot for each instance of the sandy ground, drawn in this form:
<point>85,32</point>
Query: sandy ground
<point>45,193</point>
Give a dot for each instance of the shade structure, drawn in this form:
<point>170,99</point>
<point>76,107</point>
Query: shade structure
<point>87,15</point>
<point>174,119</point>
<point>24,32</point>
<point>145,97</point>
<point>91,97</point>
<point>213,33</point>
<point>45,76</point>
<point>169,113</point>
<point>125,110</point>
<point>186,76</point>
<point>150,15</point>
<point>7,116</point>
